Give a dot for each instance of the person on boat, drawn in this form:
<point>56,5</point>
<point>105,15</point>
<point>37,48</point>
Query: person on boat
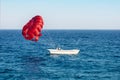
<point>58,48</point>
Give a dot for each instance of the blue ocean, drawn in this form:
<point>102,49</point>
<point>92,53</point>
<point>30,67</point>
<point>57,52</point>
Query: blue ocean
<point>98,59</point>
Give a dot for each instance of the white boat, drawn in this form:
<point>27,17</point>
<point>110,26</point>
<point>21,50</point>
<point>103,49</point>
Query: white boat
<point>60,51</point>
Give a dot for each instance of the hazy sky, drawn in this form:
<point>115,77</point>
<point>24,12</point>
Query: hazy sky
<point>61,14</point>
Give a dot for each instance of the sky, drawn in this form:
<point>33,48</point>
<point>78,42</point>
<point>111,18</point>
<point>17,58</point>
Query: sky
<point>61,14</point>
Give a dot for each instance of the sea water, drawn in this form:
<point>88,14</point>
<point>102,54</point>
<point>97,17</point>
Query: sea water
<point>98,59</point>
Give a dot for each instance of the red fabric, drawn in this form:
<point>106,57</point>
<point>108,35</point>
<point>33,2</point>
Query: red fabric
<point>32,30</point>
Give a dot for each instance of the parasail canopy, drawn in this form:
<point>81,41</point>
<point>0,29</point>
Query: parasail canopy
<point>32,30</point>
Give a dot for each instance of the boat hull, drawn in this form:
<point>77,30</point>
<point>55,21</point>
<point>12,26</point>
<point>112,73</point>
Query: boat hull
<point>55,51</point>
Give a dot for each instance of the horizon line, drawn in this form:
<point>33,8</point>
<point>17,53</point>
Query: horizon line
<point>65,29</point>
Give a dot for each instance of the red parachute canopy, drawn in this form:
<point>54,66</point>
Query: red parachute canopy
<point>32,30</point>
